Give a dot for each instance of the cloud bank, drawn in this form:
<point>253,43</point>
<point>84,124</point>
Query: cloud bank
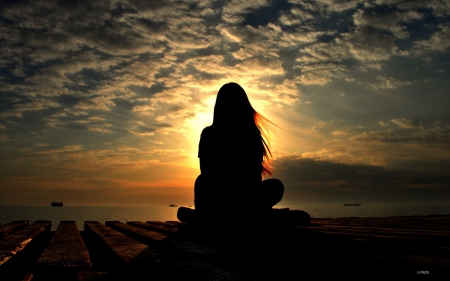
<point>92,89</point>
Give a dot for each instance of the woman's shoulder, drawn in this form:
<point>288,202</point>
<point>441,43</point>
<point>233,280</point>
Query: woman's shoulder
<point>207,130</point>
<point>210,131</point>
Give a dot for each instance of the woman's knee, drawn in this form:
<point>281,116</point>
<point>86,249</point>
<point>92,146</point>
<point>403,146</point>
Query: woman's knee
<point>274,184</point>
<point>199,180</point>
<point>272,191</point>
<point>199,185</point>
<point>202,191</point>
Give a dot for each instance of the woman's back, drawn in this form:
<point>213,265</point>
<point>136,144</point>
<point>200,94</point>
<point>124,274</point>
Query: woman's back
<point>233,157</point>
<point>231,163</point>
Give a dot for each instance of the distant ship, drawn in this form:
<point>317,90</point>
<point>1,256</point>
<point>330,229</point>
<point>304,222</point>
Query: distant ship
<point>356,204</point>
<point>173,205</point>
<point>57,204</point>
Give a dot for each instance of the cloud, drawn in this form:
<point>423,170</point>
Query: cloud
<point>297,173</point>
<point>319,74</point>
<point>391,21</point>
<point>367,44</point>
<point>4,138</point>
<point>390,83</point>
<point>254,41</point>
<point>295,17</point>
<point>145,74</point>
<point>438,42</point>
<point>142,134</point>
<point>101,130</point>
<point>62,150</point>
<point>285,93</point>
<point>98,103</point>
<point>411,133</point>
<point>407,123</point>
<point>319,52</point>
<point>233,10</point>
<point>339,133</point>
<point>327,5</point>
<point>438,7</point>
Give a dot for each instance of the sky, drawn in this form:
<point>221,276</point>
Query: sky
<point>103,102</point>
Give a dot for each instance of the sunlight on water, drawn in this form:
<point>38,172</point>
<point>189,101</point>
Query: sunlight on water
<point>165,213</point>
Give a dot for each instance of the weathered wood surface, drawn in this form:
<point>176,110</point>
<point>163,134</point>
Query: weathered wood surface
<point>113,276</point>
<point>350,248</point>
<point>11,227</point>
<point>156,225</point>
<point>66,250</point>
<point>15,276</point>
<point>128,250</point>
<point>143,258</point>
<point>13,244</point>
<point>185,256</point>
<point>163,238</point>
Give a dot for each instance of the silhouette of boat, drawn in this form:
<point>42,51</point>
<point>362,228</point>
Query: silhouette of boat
<point>57,204</point>
<point>173,205</point>
<point>355,204</point>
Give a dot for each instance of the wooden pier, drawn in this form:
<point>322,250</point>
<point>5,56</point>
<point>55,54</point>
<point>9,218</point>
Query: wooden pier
<point>350,248</point>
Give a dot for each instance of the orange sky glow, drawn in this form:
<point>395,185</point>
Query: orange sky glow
<point>103,102</point>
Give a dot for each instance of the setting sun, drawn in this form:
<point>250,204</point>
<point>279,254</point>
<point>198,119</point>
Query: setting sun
<point>102,95</point>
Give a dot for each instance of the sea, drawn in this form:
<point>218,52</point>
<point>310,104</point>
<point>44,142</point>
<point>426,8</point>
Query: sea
<point>80,214</point>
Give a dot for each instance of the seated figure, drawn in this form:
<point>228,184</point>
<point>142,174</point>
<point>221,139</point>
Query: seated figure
<point>233,154</point>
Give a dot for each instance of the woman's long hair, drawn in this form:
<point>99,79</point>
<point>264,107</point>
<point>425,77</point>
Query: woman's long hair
<point>233,110</point>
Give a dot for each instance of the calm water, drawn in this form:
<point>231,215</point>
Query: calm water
<point>164,213</point>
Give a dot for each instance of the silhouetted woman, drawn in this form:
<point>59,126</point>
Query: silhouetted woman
<point>233,156</point>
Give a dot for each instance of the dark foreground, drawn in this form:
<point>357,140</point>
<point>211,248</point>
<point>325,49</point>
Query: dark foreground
<point>350,248</point>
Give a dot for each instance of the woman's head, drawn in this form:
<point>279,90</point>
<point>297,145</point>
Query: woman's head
<point>234,111</point>
<point>232,106</point>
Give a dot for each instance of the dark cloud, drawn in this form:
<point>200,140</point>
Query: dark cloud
<point>203,75</point>
<point>430,136</point>
<point>143,91</point>
<point>338,76</point>
<point>68,100</point>
<point>360,182</point>
<point>123,104</point>
<point>389,20</point>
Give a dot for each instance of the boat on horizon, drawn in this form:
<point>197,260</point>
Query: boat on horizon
<point>173,205</point>
<point>56,204</point>
<point>354,204</point>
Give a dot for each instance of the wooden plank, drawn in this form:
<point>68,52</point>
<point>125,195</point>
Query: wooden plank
<point>412,223</point>
<point>425,233</point>
<point>187,265</point>
<point>411,259</point>
<point>66,250</point>
<point>168,223</point>
<point>145,260</point>
<point>15,276</point>
<point>111,276</point>
<point>161,227</point>
<point>355,247</point>
<point>11,227</point>
<point>162,240</point>
<point>397,240</point>
<point>355,233</point>
<point>127,250</point>
<point>13,244</point>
